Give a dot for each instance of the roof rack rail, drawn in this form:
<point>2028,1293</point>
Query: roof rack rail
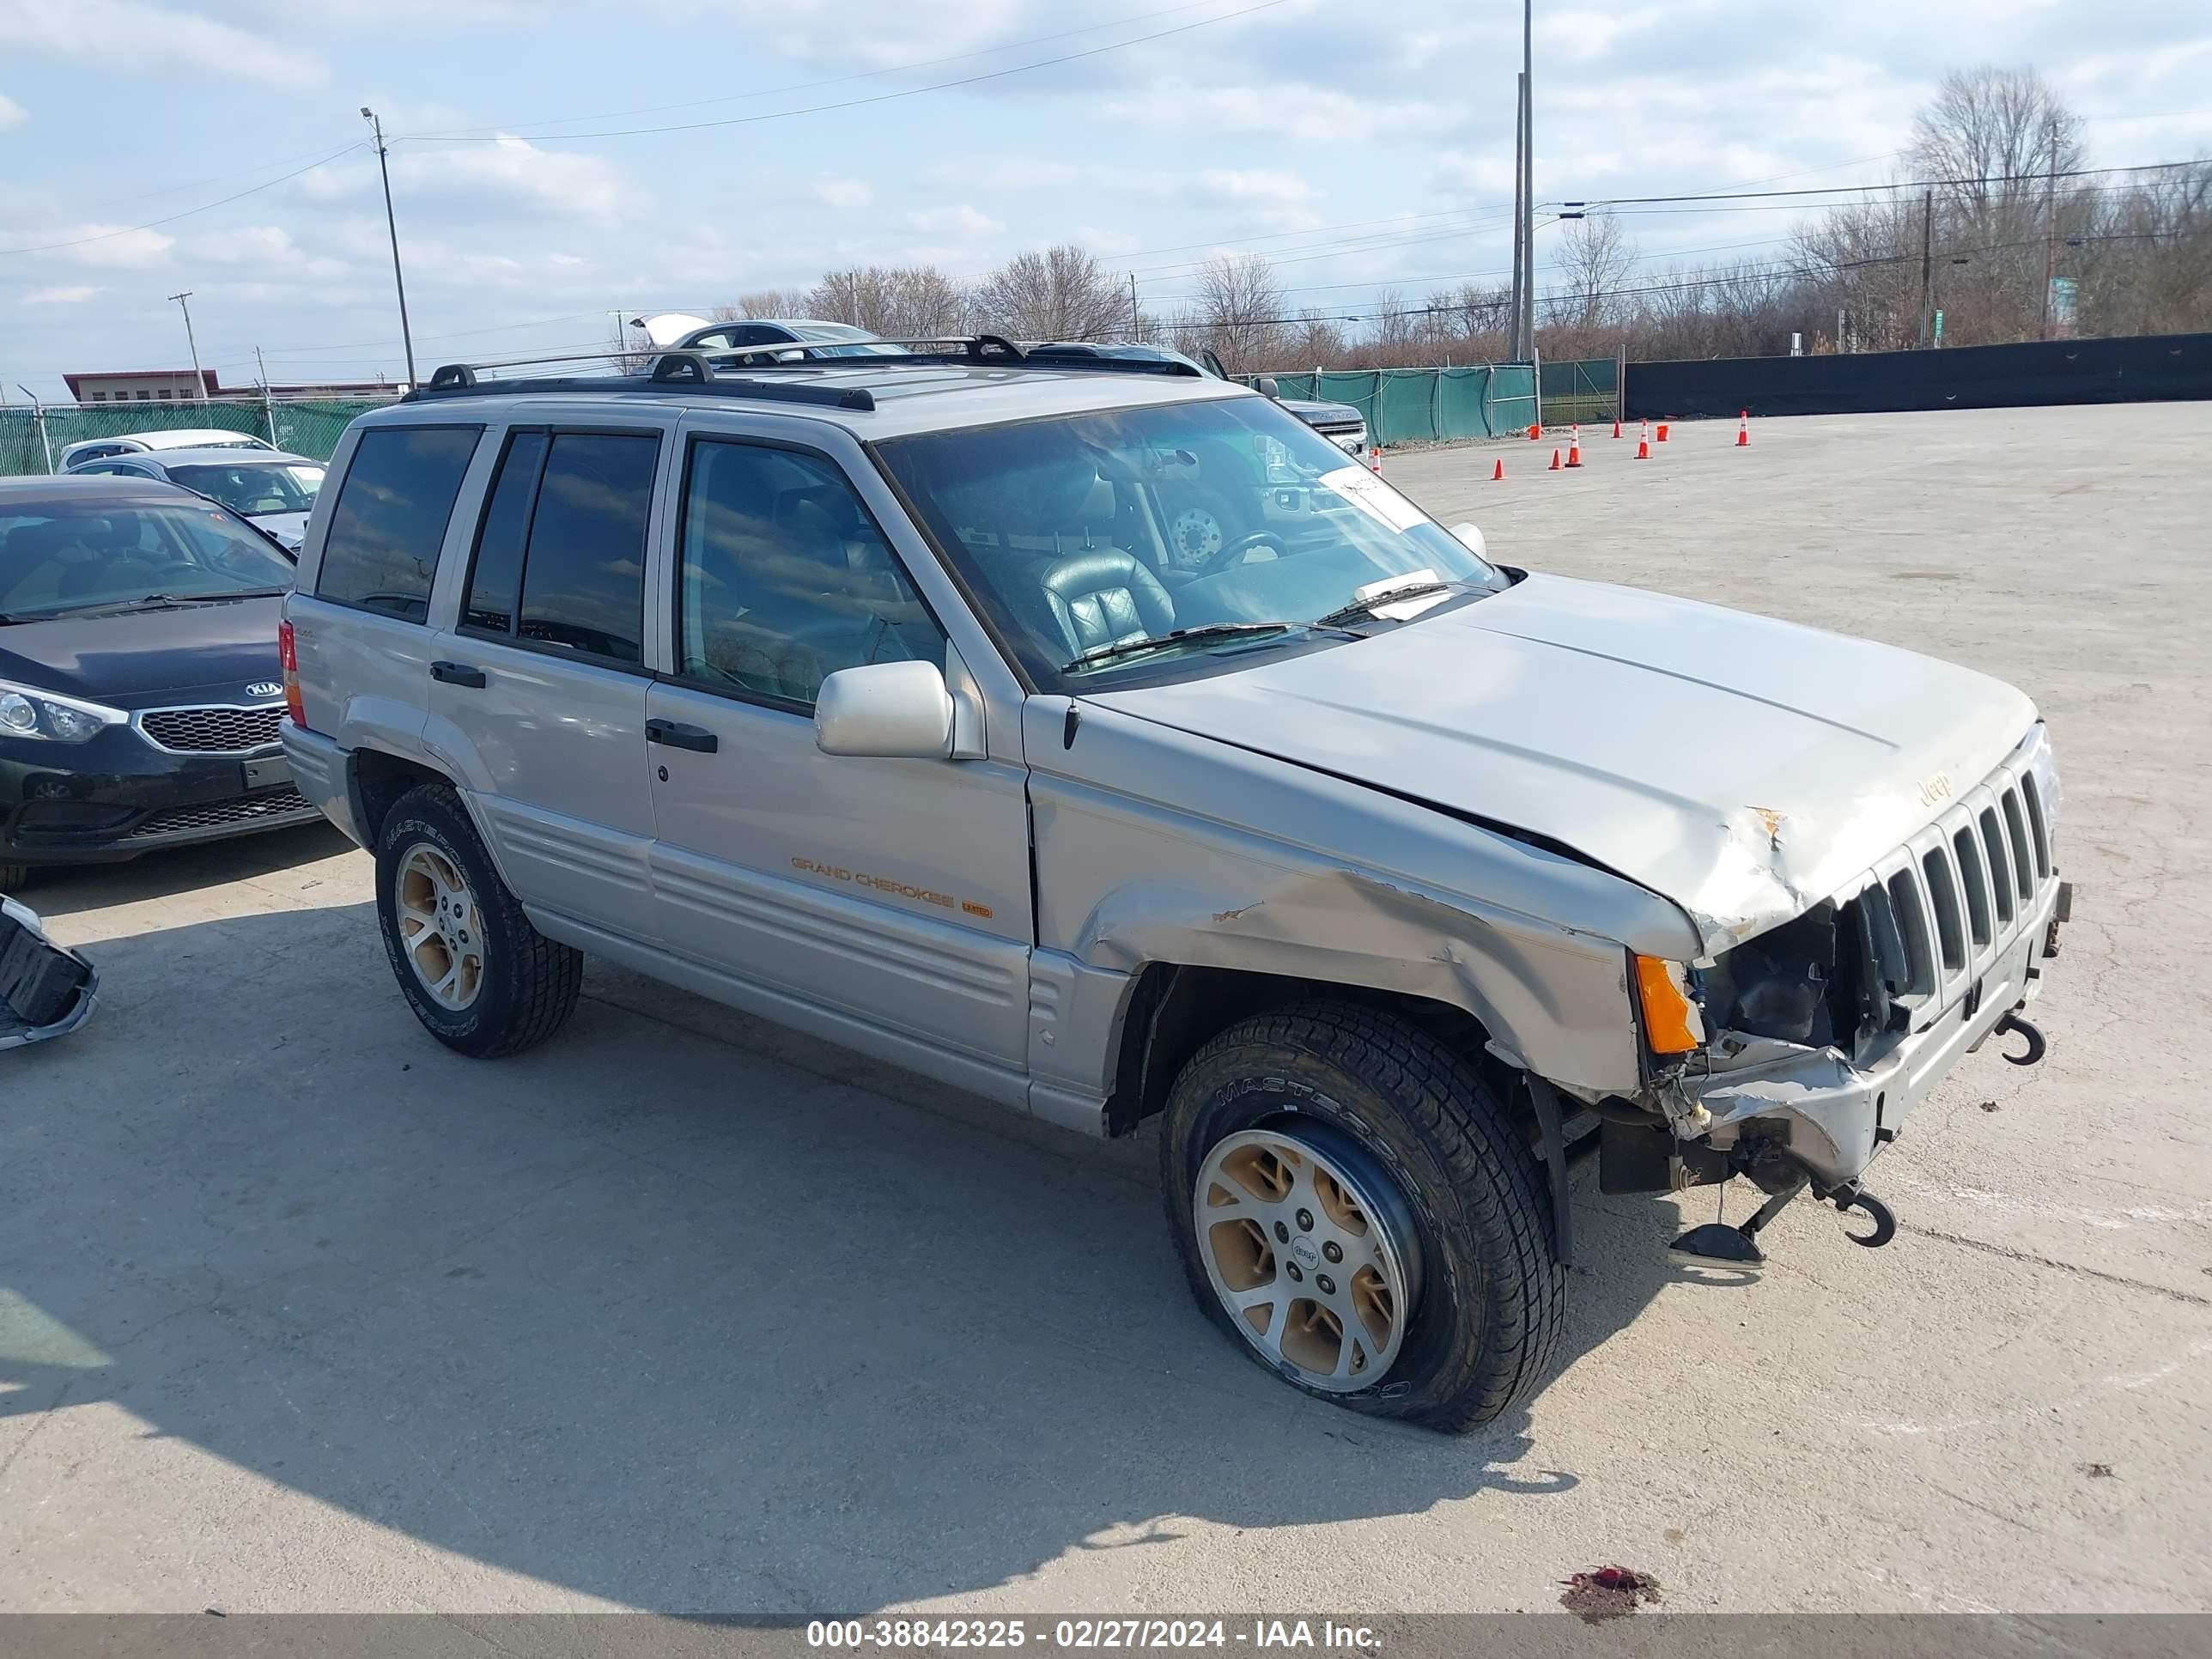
<point>691,371</point>
<point>985,350</point>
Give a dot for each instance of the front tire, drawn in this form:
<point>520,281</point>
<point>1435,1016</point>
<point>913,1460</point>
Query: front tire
<point>14,878</point>
<point>1301,1142</point>
<point>481,979</point>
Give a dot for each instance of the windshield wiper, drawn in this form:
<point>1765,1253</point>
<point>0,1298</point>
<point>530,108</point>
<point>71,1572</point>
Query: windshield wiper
<point>1098,653</point>
<point>1365,610</point>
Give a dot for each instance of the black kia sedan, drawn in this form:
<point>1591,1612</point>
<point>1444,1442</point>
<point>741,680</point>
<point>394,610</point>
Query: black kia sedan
<point>139,684</point>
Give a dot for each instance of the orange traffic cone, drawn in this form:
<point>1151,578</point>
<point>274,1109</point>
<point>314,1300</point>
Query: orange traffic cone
<point>1375,459</point>
<point>1616,428</point>
<point>1555,466</point>
<point>1645,437</point>
<point>1743,430</point>
<point>1497,472</point>
<point>1643,449</point>
<point>1574,455</point>
<point>1662,432</point>
<point>1535,433</point>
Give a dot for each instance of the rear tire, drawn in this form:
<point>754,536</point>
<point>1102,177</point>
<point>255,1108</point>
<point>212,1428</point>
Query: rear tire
<point>481,979</point>
<point>14,878</point>
<point>1365,1104</point>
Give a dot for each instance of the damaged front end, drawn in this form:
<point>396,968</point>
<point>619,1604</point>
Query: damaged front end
<point>1818,1036</point>
<point>46,991</point>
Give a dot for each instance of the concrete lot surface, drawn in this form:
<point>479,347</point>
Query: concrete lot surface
<point>300,1311</point>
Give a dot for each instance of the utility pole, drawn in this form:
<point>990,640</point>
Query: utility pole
<point>1528,177</point>
<point>268,403</point>
<point>399,283</point>
<point>1927,260</point>
<point>1516,349</point>
<point>199,382</point>
<point>2050,218</point>
<point>1136,318</point>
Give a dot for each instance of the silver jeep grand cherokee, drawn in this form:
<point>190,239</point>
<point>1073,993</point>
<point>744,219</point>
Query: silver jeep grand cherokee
<point>876,698</point>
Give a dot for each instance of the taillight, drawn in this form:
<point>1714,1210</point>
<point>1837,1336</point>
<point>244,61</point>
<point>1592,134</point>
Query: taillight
<point>287,659</point>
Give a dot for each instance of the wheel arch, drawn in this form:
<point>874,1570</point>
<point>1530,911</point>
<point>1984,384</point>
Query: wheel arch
<point>1174,1010</point>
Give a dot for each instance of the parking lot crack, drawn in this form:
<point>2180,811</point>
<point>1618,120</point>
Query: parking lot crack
<point>2189,1298</point>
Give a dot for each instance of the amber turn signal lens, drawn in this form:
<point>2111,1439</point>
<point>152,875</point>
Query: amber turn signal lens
<point>1672,1024</point>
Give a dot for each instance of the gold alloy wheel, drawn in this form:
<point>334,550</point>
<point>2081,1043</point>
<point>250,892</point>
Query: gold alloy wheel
<point>440,934</point>
<point>1311,1251</point>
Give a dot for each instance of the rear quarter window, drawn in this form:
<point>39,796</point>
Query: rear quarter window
<point>381,550</point>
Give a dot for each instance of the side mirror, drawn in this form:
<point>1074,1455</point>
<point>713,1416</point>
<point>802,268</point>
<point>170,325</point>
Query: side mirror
<point>1470,538</point>
<point>889,710</point>
<point>1267,388</point>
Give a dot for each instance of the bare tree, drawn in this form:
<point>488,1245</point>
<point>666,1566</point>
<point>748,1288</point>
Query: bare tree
<point>1060,294</point>
<point>764,302</point>
<point>1595,257</point>
<point>2001,132</point>
<point>1241,309</point>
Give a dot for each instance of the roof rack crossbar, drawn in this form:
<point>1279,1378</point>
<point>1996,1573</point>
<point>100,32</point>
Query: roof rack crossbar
<point>689,371</point>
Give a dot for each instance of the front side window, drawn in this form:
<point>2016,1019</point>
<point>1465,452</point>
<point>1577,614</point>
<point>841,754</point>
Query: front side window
<point>254,487</point>
<point>786,578</point>
<point>1227,524</point>
<point>64,556</point>
<point>382,552</point>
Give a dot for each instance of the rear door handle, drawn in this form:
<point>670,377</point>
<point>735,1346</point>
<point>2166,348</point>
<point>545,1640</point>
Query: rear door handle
<point>677,735</point>
<point>458,674</point>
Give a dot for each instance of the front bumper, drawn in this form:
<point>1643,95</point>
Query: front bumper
<point>117,795</point>
<point>1834,1116</point>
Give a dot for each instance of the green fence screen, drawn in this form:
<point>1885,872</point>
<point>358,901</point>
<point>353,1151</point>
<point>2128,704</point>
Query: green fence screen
<point>1427,405</point>
<point>29,435</point>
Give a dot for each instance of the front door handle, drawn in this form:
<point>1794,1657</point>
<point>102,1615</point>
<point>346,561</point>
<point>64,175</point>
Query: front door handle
<point>458,674</point>
<point>677,735</point>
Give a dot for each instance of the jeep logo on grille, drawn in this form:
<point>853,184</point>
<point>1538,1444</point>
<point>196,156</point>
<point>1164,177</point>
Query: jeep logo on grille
<point>266,689</point>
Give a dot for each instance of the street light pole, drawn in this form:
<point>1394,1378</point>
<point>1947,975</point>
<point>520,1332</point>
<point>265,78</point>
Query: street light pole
<point>1528,178</point>
<point>199,380</point>
<point>399,283</point>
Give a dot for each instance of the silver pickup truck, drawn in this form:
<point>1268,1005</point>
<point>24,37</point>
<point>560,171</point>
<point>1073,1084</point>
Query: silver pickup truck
<point>875,697</point>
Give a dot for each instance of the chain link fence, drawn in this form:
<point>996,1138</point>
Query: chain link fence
<point>32,437</point>
<point>1582,389</point>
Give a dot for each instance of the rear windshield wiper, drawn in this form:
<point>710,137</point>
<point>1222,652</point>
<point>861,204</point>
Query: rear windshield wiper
<point>1365,610</point>
<point>1099,653</point>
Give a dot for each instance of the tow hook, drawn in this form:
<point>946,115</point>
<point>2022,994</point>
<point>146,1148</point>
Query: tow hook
<point>1714,1245</point>
<point>1851,1196</point>
<point>2013,1024</point>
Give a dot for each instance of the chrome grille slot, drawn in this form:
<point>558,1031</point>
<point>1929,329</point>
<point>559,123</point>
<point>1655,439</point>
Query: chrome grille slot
<point>2016,833</point>
<point>1999,876</point>
<point>1978,889</point>
<point>1943,894</point>
<point>1912,928</point>
<point>2035,822</point>
<point>211,731</point>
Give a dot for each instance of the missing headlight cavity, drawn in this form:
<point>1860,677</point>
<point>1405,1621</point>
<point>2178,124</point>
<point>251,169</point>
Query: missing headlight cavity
<point>1832,976</point>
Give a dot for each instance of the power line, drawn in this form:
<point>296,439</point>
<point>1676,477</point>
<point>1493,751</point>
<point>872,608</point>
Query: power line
<point>1614,202</point>
<point>808,86</point>
<point>907,92</point>
<point>153,224</point>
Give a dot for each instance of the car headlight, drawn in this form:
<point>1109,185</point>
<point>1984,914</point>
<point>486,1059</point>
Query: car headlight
<point>27,712</point>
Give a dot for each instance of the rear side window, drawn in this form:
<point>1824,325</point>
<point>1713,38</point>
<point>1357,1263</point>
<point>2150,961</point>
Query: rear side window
<point>496,576</point>
<point>560,555</point>
<point>382,552</point>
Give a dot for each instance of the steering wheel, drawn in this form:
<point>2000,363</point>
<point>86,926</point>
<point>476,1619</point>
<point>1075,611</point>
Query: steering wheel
<point>1199,545</point>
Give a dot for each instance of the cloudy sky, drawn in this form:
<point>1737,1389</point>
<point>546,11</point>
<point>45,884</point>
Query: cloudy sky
<point>553,163</point>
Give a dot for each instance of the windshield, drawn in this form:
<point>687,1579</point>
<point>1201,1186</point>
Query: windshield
<point>254,487</point>
<point>1090,532</point>
<point>57,558</point>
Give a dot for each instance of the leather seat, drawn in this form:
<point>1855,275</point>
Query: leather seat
<point>1104,596</point>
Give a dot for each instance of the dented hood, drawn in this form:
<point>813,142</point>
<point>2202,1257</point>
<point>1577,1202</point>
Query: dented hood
<point>1742,766</point>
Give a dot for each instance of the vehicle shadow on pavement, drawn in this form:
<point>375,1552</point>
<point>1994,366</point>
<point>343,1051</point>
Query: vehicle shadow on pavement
<point>642,1314</point>
<point>66,890</point>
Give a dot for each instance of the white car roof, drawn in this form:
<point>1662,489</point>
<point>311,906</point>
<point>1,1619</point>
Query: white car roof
<point>204,437</point>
